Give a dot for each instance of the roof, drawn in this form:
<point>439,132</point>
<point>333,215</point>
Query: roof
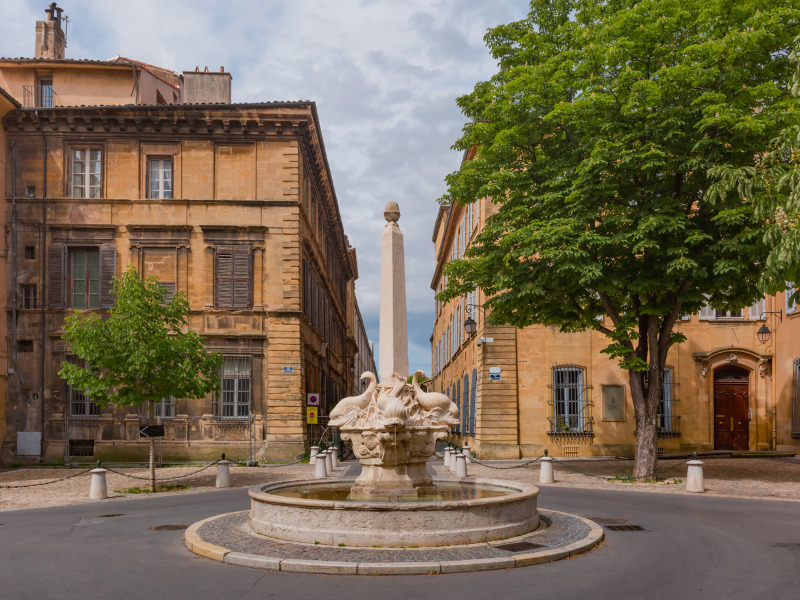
<point>160,73</point>
<point>62,61</point>
<point>9,97</point>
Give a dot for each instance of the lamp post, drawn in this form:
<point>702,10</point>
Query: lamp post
<point>764,334</point>
<point>470,325</point>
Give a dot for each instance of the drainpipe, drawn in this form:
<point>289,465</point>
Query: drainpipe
<point>14,263</point>
<point>42,260</point>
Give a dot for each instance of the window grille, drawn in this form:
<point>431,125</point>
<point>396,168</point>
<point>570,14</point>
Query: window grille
<point>86,173</point>
<point>235,395</point>
<point>81,447</point>
<point>571,416</point>
<point>668,423</point>
<point>165,409</point>
<point>796,400</point>
<point>80,404</point>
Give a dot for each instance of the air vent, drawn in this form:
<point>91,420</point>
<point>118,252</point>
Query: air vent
<point>625,528</point>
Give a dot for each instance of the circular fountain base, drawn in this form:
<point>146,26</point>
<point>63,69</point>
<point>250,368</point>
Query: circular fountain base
<point>456,513</point>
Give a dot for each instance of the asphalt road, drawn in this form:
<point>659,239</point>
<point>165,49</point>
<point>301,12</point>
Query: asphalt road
<point>693,547</point>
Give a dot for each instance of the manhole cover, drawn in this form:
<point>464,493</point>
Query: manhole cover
<point>607,520</point>
<point>625,528</point>
<point>168,527</point>
<point>519,546</point>
<point>108,516</point>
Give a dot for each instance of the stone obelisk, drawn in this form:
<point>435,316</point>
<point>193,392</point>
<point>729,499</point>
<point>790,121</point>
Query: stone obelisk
<point>393,340</point>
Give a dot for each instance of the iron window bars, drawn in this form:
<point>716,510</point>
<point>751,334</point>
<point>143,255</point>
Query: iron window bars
<point>571,418</point>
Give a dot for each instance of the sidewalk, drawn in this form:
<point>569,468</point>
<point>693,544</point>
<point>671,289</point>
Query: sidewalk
<point>774,479</point>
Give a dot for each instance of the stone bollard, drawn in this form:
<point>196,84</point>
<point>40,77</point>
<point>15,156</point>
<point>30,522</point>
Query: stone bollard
<point>335,457</point>
<point>447,458</point>
<point>546,470</point>
<point>461,465</point>
<point>314,452</point>
<point>320,471</point>
<point>329,461</point>
<point>694,477</point>
<point>97,487</point>
<point>224,473</point>
<point>467,453</point>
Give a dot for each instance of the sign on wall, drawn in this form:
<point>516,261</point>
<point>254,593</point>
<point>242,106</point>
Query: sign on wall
<point>614,402</point>
<point>312,399</point>
<point>311,415</point>
<point>288,369</point>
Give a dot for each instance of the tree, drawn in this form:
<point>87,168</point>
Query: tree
<point>595,140</point>
<point>142,353</point>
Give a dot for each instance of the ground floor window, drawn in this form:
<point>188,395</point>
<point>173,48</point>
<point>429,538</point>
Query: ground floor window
<point>235,393</point>
<point>165,409</point>
<point>80,404</point>
<point>569,400</point>
<point>796,400</point>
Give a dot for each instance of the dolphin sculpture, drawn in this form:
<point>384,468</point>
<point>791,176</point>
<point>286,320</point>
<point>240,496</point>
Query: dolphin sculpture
<point>435,402</point>
<point>347,408</point>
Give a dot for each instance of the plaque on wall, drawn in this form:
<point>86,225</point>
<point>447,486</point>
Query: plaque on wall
<point>613,402</point>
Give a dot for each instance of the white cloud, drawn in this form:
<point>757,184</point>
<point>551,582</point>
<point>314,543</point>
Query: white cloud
<point>384,75</point>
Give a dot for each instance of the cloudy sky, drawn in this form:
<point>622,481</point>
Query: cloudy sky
<point>384,75</point>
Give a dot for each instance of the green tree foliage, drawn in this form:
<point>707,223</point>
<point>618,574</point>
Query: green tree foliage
<point>141,352</point>
<point>595,140</point>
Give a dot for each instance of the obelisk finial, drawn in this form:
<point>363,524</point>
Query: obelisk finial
<point>393,340</point>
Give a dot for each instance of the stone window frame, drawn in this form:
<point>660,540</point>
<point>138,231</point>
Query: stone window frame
<point>63,240</point>
<point>70,170</point>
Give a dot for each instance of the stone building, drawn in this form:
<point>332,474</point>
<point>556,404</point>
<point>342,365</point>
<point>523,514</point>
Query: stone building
<point>522,391</point>
<point>121,163</point>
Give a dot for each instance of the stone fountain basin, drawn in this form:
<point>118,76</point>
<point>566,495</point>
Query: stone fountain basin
<point>394,524</point>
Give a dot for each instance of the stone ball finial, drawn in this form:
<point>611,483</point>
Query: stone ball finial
<point>392,212</point>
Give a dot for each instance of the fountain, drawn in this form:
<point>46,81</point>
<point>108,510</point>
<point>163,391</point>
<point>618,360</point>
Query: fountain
<point>393,428</point>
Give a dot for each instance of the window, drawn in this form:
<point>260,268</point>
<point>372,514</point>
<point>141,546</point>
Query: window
<point>30,191</point>
<point>28,295</point>
<point>796,400</point>
<point>30,252</point>
<point>159,178</point>
<point>233,278</point>
<point>757,309</point>
<point>25,345</point>
<point>728,314</point>
<point>667,420</point>
<point>85,278</point>
<point>465,407</point>
<point>161,410</point>
<point>790,304</point>
<point>80,404</point>
<point>234,396</point>
<point>473,400</point>
<point>569,401</point>
<point>44,92</point>
<point>86,173</point>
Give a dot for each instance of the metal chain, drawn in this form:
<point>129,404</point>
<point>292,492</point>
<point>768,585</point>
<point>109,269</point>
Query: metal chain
<point>11,487</point>
<point>275,464</point>
<point>652,475</point>
<point>525,464</point>
<point>162,478</point>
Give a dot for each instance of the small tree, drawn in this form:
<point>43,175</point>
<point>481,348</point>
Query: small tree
<point>142,353</point>
<point>595,139</point>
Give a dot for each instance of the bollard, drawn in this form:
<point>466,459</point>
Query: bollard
<point>328,461</point>
<point>447,458</point>
<point>467,453</point>
<point>224,473</point>
<point>694,477</point>
<point>319,467</point>
<point>546,470</point>
<point>335,457</point>
<point>314,452</point>
<point>97,487</point>
<point>461,465</point>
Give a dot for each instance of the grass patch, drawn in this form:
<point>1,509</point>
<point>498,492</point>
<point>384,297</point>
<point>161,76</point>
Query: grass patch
<point>168,487</point>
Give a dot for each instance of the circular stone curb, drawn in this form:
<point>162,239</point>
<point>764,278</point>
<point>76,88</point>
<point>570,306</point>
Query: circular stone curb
<point>565,535</point>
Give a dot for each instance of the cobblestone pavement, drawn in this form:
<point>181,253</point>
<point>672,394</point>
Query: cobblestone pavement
<point>763,478</point>
<point>234,533</point>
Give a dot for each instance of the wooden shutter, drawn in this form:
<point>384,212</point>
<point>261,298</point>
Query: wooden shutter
<point>56,276</point>
<point>223,290</point>
<point>242,279</point>
<point>108,270</point>
<point>707,313</point>
<point>169,286</point>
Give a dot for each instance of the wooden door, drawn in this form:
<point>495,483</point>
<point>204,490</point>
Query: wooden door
<point>731,415</point>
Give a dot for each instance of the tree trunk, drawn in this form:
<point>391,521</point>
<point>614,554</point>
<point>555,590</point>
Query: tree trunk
<point>152,449</point>
<point>646,402</point>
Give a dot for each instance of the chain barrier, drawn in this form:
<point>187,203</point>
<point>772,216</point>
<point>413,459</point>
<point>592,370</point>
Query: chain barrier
<point>274,464</point>
<point>11,487</point>
<point>162,478</point>
<point>525,464</point>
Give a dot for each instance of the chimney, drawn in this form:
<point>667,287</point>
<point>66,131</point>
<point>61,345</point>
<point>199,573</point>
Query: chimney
<point>50,39</point>
<point>206,87</point>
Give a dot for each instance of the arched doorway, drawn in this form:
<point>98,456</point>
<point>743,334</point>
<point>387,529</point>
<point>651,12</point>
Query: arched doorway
<point>731,408</point>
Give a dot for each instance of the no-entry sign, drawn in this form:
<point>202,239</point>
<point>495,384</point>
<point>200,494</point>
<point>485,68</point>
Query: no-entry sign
<point>311,415</point>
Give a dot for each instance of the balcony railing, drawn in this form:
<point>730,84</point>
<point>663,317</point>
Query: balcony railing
<point>571,427</point>
<point>39,96</point>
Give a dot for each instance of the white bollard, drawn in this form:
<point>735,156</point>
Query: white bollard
<point>329,461</point>
<point>461,465</point>
<point>319,467</point>
<point>224,473</point>
<point>467,453</point>
<point>97,487</point>
<point>335,457</point>
<point>694,477</point>
<point>314,452</point>
<point>546,470</point>
<point>447,458</point>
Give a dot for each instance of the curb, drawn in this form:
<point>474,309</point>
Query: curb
<point>292,565</point>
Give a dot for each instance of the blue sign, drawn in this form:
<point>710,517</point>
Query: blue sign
<point>288,369</point>
<point>494,376</point>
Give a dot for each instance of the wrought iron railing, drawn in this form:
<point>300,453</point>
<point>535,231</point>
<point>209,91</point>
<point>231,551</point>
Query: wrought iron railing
<point>39,96</point>
<point>668,426</point>
<point>571,426</point>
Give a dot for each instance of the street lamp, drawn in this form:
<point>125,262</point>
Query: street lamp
<point>470,326</point>
<point>763,332</point>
